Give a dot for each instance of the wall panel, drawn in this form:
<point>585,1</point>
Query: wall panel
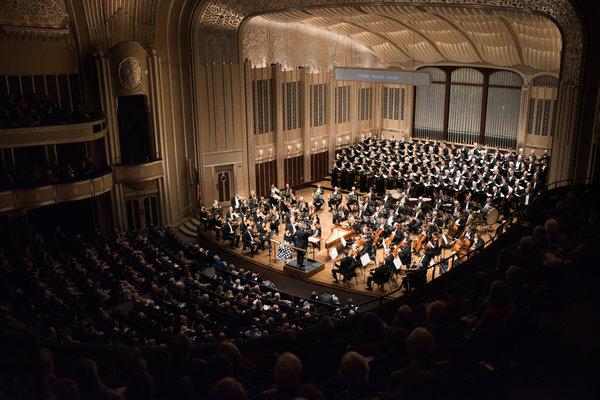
<point>319,165</point>
<point>266,175</point>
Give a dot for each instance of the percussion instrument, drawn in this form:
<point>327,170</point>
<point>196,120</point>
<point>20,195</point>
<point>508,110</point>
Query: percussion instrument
<point>492,216</point>
<point>395,194</point>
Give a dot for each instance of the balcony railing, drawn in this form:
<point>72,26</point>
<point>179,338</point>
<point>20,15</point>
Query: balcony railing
<point>14,199</point>
<point>88,130</point>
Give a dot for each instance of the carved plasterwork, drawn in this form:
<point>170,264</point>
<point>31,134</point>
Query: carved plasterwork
<point>130,73</point>
<point>49,14</point>
<point>111,22</point>
<point>222,18</point>
<point>291,45</point>
<point>34,19</point>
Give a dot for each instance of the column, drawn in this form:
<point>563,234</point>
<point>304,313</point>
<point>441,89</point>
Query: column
<point>377,111</point>
<point>565,131</point>
<point>354,109</point>
<point>276,79</point>
<point>109,108</point>
<point>409,111</point>
<point>331,116</point>
<point>250,157</point>
<point>304,119</point>
<point>158,133</point>
<point>523,110</point>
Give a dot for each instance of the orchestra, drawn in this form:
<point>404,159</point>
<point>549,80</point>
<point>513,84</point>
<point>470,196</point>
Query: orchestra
<point>412,199</point>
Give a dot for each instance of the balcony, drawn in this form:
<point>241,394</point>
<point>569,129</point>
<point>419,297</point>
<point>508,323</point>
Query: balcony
<point>53,134</point>
<point>138,176</point>
<point>53,194</point>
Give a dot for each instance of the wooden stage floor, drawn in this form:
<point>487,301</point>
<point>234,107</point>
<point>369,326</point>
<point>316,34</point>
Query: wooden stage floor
<point>325,277</point>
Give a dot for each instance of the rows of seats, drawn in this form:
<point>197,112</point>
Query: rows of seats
<point>498,327</point>
<point>51,174</point>
<point>17,112</point>
<point>140,289</point>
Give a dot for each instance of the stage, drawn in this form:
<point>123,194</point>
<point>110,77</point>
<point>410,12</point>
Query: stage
<point>321,274</point>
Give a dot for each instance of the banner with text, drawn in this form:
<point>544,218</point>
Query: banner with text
<point>389,76</point>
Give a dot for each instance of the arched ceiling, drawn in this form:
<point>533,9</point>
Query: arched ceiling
<point>404,35</point>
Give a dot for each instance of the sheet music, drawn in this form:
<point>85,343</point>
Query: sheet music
<point>397,263</point>
<point>333,253</point>
<point>343,241</point>
<point>365,259</point>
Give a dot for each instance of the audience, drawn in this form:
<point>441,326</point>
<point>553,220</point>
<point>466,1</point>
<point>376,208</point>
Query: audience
<point>85,374</point>
<point>38,110</point>
<point>444,341</point>
<point>50,175</point>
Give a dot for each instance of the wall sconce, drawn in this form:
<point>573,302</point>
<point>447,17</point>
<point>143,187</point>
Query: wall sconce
<point>348,139</point>
<point>314,144</point>
<point>260,154</point>
<point>324,143</point>
<point>289,148</point>
<point>270,152</point>
<point>298,146</point>
<point>339,140</point>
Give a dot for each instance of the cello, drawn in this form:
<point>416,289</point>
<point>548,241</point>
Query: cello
<point>420,241</point>
<point>462,244</point>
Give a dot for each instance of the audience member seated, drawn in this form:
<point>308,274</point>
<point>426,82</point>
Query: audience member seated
<point>51,175</point>
<point>231,334</point>
<point>39,110</point>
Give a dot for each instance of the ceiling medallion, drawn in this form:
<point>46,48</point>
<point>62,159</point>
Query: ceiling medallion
<point>130,73</point>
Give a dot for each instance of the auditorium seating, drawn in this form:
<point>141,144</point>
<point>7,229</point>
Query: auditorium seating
<point>505,322</point>
<point>17,112</point>
<point>51,174</point>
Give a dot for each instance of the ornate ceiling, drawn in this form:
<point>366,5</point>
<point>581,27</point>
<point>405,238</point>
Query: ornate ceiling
<point>505,32</point>
<point>39,18</point>
<point>403,36</point>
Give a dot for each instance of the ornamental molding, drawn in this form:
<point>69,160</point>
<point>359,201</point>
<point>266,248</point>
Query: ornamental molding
<point>130,73</point>
<point>21,32</point>
<point>45,14</point>
<point>218,22</point>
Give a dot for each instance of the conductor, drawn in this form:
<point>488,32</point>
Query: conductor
<point>301,242</point>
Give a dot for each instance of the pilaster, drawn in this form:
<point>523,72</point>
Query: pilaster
<point>565,128</point>
<point>523,110</point>
<point>304,118</point>
<point>277,99</point>
<point>249,124</point>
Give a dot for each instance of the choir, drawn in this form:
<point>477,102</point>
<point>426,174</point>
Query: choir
<point>409,198</point>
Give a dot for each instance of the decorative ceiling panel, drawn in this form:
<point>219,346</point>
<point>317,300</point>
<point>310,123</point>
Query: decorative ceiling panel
<point>405,34</point>
<point>46,14</point>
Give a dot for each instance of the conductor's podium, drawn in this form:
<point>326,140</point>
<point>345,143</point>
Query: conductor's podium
<point>310,268</point>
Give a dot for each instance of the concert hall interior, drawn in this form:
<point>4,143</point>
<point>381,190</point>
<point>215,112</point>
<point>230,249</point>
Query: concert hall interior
<point>309,199</point>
